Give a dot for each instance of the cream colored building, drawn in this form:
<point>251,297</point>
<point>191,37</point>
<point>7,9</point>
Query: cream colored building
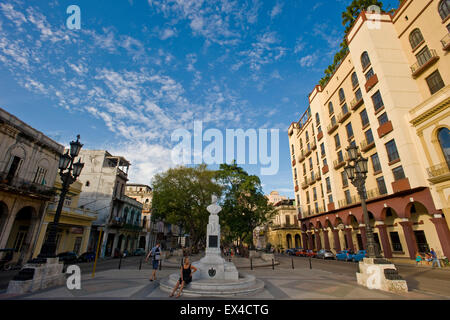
<point>74,224</point>
<point>28,167</point>
<point>389,96</point>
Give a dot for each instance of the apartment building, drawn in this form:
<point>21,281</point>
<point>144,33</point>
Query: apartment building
<point>390,97</point>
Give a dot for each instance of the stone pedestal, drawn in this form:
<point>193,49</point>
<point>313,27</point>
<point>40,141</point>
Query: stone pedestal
<point>380,274</point>
<point>41,276</point>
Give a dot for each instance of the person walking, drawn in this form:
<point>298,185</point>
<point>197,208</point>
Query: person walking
<point>435,258</point>
<point>418,259</point>
<point>155,253</point>
<point>186,272</point>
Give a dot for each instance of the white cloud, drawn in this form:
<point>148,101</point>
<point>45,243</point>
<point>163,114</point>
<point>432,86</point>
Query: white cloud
<point>15,16</point>
<point>308,60</point>
<point>276,10</point>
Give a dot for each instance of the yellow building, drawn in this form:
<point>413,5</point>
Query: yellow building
<point>74,224</point>
<point>284,230</point>
<point>390,97</point>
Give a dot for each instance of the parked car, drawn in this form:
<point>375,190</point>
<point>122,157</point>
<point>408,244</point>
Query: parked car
<point>361,254</point>
<point>301,253</point>
<point>86,257</point>
<point>67,257</point>
<point>139,252</point>
<point>290,251</point>
<point>344,255</point>
<point>311,253</point>
<point>325,254</point>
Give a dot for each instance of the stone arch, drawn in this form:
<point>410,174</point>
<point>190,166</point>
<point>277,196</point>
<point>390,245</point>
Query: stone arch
<point>338,221</point>
<point>3,215</point>
<point>289,240</point>
<point>297,240</point>
<point>142,242</point>
<point>14,150</point>
<point>22,231</point>
<point>352,221</point>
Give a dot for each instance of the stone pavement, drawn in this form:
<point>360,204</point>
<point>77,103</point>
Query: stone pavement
<point>281,283</point>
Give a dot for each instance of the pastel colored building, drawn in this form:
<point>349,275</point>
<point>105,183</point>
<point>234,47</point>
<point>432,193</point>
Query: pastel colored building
<point>390,96</point>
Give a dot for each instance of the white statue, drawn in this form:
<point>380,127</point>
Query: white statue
<point>214,208</point>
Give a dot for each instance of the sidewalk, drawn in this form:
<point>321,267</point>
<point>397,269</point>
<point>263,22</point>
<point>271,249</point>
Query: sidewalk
<point>409,262</point>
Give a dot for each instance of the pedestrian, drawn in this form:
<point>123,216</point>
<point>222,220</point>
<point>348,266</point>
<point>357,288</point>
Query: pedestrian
<point>186,272</point>
<point>428,258</point>
<point>418,258</point>
<point>435,258</point>
<point>155,253</point>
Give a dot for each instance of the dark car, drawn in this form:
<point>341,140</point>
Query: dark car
<point>325,254</point>
<point>86,257</point>
<point>290,251</point>
<point>67,257</point>
<point>139,252</point>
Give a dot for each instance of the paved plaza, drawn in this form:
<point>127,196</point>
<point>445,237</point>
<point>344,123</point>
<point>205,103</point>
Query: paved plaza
<point>283,283</point>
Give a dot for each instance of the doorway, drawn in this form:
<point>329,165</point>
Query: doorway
<point>421,240</point>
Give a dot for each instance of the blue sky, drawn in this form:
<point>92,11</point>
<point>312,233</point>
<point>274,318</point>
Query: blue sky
<point>139,69</point>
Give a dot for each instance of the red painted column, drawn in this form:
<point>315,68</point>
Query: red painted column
<point>363,236</point>
<point>348,234</point>
<point>443,233</point>
<point>337,242</point>
<point>318,241</point>
<point>327,240</point>
<point>385,240</point>
<point>410,238</point>
<point>305,240</point>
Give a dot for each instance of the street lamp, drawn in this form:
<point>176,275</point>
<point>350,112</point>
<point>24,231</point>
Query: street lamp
<point>66,162</point>
<point>356,171</point>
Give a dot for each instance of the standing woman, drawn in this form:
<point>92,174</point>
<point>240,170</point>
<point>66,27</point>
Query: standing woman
<point>187,270</point>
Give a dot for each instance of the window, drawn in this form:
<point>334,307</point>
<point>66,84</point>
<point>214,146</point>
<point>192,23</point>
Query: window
<point>295,173</point>
<point>314,194</point>
<point>322,149</point>
<point>392,152</point>
<point>377,101</point>
<point>398,173</point>
<point>341,95</point>
<point>369,136</point>
<point>330,108</point>
<point>325,162</point>
<point>369,74</point>
<point>381,185</point>
<point>395,240</point>
<point>88,183</point>
<point>307,196</point>
<point>415,38</point>
<point>304,169</point>
<point>317,119</point>
<point>444,9</point>
<point>13,167</point>
<point>423,56</point>
<point>301,144</point>
<point>292,150</point>
<point>39,177</point>
<point>319,129</point>
<point>333,120</point>
<point>383,119</point>
<point>307,136</point>
<point>376,163</point>
<point>358,95</point>
<point>444,141</point>
<point>330,198</point>
<point>337,141</point>
<point>349,130</point>
<point>354,79</point>
<point>365,61</point>
<point>340,157</point>
<point>310,164</point>
<point>344,109</point>
<point>327,182</point>
<point>316,205</point>
<point>348,198</point>
<point>364,118</point>
<point>344,179</point>
<point>435,82</point>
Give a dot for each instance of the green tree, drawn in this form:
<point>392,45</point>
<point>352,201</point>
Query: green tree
<point>244,204</point>
<point>181,195</point>
<point>352,12</point>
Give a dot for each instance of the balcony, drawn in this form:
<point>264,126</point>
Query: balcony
<point>293,162</point>
<point>308,152</point>
<point>312,181</point>
<point>331,127</point>
<point>373,80</point>
<point>318,176</point>
<point>305,184</point>
<point>446,42</point>
<point>385,128</point>
<point>424,63</point>
<point>401,185</point>
<point>319,135</point>
<point>439,173</point>
<point>67,209</point>
<point>313,145</point>
<point>302,156</point>
<point>366,146</point>
<point>296,188</point>
<point>330,206</point>
<point>339,163</point>
<point>19,185</point>
<point>116,222</point>
<point>343,116</point>
<point>355,103</point>
<point>325,169</point>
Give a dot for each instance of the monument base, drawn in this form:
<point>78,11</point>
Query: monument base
<point>380,274</point>
<point>38,276</point>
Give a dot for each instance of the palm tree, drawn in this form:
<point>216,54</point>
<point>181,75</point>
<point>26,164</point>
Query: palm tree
<point>354,9</point>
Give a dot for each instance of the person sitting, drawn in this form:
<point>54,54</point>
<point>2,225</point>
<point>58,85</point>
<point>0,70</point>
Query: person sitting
<point>418,259</point>
<point>428,258</point>
<point>186,272</point>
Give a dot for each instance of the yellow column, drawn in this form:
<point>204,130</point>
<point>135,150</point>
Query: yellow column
<point>40,240</point>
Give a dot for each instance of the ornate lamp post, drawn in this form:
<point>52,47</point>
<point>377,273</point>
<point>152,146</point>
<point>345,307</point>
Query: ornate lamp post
<point>69,170</point>
<point>356,171</point>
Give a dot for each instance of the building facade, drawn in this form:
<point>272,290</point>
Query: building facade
<point>74,224</point>
<point>28,167</point>
<point>283,232</point>
<point>104,179</point>
<point>389,96</point>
